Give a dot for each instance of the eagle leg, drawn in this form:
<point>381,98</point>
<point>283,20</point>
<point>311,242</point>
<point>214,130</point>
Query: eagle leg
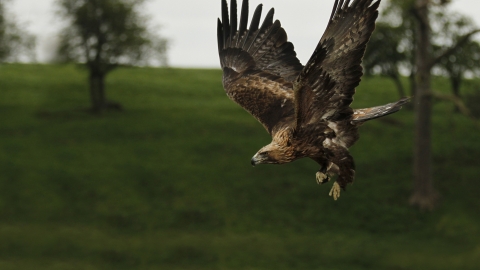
<point>322,176</point>
<point>344,166</point>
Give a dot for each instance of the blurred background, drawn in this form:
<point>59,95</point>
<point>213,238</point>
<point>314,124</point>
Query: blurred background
<point>120,150</point>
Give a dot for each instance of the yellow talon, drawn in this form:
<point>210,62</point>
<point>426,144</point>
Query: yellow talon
<point>335,191</point>
<point>322,178</point>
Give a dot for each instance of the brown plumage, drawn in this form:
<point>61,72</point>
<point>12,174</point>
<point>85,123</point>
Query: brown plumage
<point>306,109</point>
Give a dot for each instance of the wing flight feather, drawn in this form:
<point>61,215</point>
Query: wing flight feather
<point>338,58</point>
<point>262,59</point>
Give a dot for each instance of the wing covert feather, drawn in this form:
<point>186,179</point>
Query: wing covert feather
<point>265,96</point>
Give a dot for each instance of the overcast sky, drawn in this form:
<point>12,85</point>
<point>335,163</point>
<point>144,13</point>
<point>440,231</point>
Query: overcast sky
<point>190,25</point>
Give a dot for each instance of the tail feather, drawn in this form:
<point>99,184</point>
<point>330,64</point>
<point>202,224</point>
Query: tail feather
<point>362,115</point>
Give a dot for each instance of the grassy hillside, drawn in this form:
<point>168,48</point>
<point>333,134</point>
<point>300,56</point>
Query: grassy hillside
<point>167,184</point>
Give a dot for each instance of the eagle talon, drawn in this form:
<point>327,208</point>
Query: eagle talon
<point>335,191</point>
<point>322,178</point>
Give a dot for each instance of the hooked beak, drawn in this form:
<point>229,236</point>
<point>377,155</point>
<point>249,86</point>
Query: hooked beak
<point>257,159</point>
<point>253,161</point>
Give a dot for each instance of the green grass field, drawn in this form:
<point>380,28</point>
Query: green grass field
<point>167,184</point>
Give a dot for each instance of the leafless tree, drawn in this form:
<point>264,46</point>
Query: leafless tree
<point>424,194</point>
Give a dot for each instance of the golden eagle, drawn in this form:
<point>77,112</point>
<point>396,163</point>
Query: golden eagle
<point>306,109</point>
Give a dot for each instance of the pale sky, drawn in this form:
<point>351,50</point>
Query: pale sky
<point>190,25</point>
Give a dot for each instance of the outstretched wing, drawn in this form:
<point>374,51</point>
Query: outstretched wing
<point>259,64</point>
<point>325,87</point>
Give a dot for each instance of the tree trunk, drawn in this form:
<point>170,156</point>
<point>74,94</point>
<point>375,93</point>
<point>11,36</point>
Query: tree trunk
<point>424,195</point>
<point>456,82</point>
<point>98,96</point>
<point>97,92</point>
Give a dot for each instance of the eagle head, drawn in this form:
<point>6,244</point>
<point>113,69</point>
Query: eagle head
<point>279,151</point>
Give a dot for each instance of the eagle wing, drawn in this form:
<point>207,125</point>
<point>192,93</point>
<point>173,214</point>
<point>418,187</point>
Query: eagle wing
<point>259,65</point>
<point>325,87</point>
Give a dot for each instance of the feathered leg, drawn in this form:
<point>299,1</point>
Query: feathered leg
<point>345,170</point>
<point>339,162</point>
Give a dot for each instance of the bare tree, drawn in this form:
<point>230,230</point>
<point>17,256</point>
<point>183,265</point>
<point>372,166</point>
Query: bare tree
<point>424,194</point>
<point>106,34</point>
<point>418,35</point>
